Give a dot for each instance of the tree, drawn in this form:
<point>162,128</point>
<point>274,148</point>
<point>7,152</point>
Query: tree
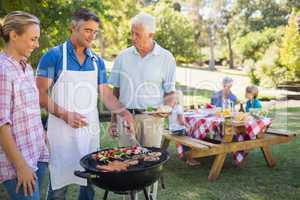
<point>54,16</point>
<point>259,14</point>
<point>115,33</point>
<point>290,48</point>
<point>254,45</point>
<point>169,22</point>
<point>227,28</point>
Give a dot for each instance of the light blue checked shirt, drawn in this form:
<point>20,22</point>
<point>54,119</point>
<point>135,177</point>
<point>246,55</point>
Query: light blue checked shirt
<point>143,81</point>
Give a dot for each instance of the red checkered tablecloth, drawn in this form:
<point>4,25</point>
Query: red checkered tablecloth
<point>200,126</point>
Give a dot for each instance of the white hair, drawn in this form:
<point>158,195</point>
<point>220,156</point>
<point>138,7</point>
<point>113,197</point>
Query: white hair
<point>227,81</point>
<point>146,20</point>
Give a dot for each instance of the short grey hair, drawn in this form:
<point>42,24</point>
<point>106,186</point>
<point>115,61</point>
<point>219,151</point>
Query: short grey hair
<point>227,81</point>
<point>146,20</point>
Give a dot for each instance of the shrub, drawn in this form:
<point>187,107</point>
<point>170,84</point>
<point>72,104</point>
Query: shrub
<point>290,48</point>
<point>269,70</point>
<point>175,32</point>
<point>254,45</point>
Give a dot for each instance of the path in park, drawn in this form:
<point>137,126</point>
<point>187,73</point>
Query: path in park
<point>211,80</point>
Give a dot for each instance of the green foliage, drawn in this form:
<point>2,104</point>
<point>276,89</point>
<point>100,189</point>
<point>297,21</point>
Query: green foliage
<point>250,68</point>
<point>175,32</point>
<point>269,70</point>
<point>115,31</point>
<point>290,48</point>
<point>257,15</point>
<point>254,45</point>
<point>54,16</point>
<point>281,61</point>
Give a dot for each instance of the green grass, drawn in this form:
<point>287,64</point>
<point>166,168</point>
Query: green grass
<point>253,181</point>
<point>194,96</point>
<point>286,118</point>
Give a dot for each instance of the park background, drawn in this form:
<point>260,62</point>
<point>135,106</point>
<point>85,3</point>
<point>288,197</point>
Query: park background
<point>252,41</point>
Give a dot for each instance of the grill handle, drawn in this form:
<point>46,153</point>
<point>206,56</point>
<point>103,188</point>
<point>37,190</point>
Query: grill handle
<point>85,174</point>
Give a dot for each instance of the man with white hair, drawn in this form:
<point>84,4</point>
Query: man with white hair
<point>224,95</point>
<point>142,76</point>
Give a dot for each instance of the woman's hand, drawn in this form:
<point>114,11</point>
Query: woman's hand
<point>26,177</point>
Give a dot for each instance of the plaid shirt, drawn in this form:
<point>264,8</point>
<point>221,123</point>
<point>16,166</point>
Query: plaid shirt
<point>19,107</point>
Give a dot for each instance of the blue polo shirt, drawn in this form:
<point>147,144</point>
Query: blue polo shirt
<point>50,65</point>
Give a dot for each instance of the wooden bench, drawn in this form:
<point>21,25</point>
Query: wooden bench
<point>200,148</point>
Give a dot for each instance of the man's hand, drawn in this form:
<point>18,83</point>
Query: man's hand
<point>27,178</point>
<point>75,120</point>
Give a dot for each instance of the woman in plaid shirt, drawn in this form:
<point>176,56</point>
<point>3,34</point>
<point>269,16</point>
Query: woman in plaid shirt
<point>23,151</point>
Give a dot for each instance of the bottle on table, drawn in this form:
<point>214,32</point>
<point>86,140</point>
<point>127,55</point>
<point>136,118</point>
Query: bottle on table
<point>241,107</point>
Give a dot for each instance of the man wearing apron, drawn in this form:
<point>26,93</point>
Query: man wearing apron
<point>74,74</point>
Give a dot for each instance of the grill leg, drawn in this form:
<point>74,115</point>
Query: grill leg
<point>146,194</point>
<point>132,195</point>
<point>154,190</point>
<point>105,195</point>
<point>162,181</point>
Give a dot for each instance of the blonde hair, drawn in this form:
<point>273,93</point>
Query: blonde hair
<point>16,21</point>
<point>253,90</point>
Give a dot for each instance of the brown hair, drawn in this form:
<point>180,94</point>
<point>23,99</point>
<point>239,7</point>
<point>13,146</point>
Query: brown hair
<point>253,90</point>
<point>16,21</point>
<point>85,15</point>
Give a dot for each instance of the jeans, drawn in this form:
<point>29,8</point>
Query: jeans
<point>180,132</point>
<point>10,185</point>
<point>85,193</point>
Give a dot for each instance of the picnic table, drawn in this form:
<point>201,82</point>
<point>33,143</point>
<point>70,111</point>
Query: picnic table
<point>260,137</point>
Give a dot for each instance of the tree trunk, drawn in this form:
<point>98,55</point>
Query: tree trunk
<point>211,46</point>
<point>231,61</point>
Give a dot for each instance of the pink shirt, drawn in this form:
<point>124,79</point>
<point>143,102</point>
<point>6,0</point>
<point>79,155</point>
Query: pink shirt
<point>19,107</point>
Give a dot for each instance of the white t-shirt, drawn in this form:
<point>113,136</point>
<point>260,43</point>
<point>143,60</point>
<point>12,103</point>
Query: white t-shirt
<point>173,123</point>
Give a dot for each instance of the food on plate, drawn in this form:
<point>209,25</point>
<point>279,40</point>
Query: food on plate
<point>161,111</point>
<point>224,113</point>
<point>240,116</point>
<point>164,109</point>
<point>258,113</point>
<point>151,109</point>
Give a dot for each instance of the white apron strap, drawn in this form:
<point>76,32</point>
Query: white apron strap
<point>64,66</point>
<point>94,59</point>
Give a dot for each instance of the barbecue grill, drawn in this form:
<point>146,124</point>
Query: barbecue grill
<point>135,178</point>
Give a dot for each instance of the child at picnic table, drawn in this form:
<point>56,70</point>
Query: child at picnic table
<point>177,123</point>
<point>251,95</point>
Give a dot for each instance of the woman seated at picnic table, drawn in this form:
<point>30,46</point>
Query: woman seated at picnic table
<point>177,123</point>
<point>224,95</point>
